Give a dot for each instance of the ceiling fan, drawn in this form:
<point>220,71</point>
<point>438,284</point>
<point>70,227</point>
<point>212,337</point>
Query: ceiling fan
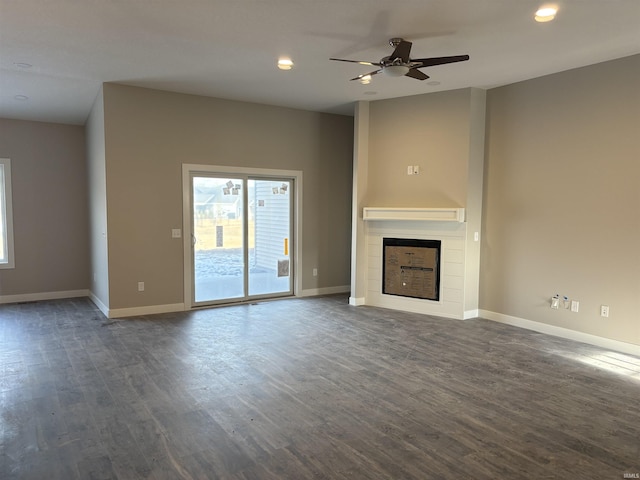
<point>399,63</point>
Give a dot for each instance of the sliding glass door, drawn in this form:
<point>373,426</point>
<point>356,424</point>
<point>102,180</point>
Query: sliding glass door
<point>269,236</point>
<point>218,238</point>
<point>241,238</point>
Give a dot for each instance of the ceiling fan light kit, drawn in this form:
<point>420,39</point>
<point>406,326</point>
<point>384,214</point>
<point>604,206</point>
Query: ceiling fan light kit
<point>400,64</point>
<point>396,70</point>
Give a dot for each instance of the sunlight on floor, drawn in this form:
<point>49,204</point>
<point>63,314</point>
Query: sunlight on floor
<point>614,362</point>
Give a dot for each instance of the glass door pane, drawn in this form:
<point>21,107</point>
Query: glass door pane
<point>3,223</point>
<point>218,238</point>
<point>269,224</point>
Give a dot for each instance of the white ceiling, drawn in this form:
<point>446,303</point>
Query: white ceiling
<point>229,48</point>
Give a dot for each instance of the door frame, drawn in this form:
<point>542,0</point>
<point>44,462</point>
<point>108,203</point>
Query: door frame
<point>189,169</point>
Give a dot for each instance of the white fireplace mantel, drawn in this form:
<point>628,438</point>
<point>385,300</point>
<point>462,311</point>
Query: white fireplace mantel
<point>414,214</point>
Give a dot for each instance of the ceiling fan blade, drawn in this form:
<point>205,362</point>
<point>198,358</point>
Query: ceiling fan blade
<point>417,74</point>
<point>371,64</point>
<point>430,62</point>
<point>375,72</point>
<point>402,51</point>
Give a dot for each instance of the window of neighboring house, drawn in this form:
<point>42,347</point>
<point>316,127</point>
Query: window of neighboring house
<point>6,215</point>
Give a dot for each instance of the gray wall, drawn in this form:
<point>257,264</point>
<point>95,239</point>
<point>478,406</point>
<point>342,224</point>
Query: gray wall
<point>50,216</point>
<point>562,199</point>
<point>431,131</point>
<point>151,133</point>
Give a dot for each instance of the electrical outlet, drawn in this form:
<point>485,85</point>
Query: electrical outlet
<point>176,233</point>
<point>410,170</point>
<point>141,286</point>
<point>604,310</point>
<point>315,272</point>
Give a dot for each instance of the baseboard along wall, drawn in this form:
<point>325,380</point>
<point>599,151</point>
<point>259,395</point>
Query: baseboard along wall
<point>623,347</point>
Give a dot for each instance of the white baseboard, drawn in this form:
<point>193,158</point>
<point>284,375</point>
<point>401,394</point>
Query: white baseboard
<point>471,314</point>
<point>356,301</point>
<point>315,292</point>
<point>38,297</point>
<point>623,347</point>
<point>135,311</point>
<point>101,306</point>
<point>148,310</point>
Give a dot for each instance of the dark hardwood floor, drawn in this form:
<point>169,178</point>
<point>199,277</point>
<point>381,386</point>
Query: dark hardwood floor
<point>306,388</point>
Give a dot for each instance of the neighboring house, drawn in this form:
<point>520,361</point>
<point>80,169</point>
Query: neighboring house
<point>216,203</point>
<point>272,220</point>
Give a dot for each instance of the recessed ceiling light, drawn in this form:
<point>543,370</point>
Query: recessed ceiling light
<point>22,65</point>
<point>22,98</point>
<point>370,93</point>
<point>546,13</point>
<point>285,64</point>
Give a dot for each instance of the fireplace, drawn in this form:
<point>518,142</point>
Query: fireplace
<point>449,290</point>
<point>411,268</point>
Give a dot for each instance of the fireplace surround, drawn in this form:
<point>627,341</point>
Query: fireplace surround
<point>457,285</point>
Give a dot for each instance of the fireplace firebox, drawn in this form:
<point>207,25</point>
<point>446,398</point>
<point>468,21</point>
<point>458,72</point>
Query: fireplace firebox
<point>411,268</point>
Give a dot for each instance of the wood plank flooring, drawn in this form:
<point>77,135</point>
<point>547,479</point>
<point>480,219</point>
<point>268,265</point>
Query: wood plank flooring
<point>306,389</point>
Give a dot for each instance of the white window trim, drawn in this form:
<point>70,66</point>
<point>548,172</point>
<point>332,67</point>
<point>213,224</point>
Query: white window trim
<point>7,214</point>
